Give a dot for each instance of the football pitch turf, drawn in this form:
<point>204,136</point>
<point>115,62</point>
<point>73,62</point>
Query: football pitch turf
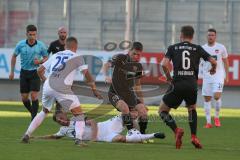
<point>219,143</point>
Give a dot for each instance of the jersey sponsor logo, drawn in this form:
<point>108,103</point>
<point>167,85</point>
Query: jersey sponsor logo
<point>216,50</point>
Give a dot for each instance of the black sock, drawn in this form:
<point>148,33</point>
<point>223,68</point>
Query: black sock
<point>192,118</point>
<point>35,106</point>
<point>27,105</point>
<point>167,118</point>
<point>143,124</point>
<point>127,121</point>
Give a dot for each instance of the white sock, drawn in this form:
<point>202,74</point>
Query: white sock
<point>36,122</point>
<point>138,137</point>
<point>207,108</point>
<point>218,107</point>
<point>79,129</point>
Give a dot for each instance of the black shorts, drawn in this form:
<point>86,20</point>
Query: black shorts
<point>129,97</point>
<point>185,90</point>
<point>29,81</point>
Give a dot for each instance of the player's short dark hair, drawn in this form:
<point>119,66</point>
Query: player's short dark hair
<point>31,27</point>
<point>187,31</point>
<point>212,30</point>
<point>72,39</point>
<point>137,45</point>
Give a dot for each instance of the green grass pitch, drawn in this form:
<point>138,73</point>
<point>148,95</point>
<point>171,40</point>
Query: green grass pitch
<point>219,143</point>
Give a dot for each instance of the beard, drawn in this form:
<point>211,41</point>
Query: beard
<point>62,38</point>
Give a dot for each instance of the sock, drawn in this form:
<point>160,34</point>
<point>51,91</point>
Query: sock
<point>138,137</point>
<point>79,129</point>
<point>192,118</point>
<point>207,108</point>
<point>27,105</point>
<point>35,106</point>
<point>36,122</point>
<point>218,107</point>
<point>127,121</point>
<point>143,124</point>
<point>167,118</point>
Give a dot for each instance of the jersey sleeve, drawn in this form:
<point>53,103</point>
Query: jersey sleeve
<point>17,49</point>
<point>118,60</point>
<point>224,52</point>
<point>50,48</point>
<point>83,65</point>
<point>47,64</point>
<point>203,54</point>
<point>44,51</point>
<point>169,52</point>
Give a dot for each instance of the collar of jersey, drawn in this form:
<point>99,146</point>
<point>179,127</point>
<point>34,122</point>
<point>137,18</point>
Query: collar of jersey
<point>30,44</point>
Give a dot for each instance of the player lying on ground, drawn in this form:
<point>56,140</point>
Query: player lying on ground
<point>106,131</point>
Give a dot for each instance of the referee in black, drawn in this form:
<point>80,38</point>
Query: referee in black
<point>56,46</point>
<point>125,92</point>
<point>32,53</point>
<point>185,57</point>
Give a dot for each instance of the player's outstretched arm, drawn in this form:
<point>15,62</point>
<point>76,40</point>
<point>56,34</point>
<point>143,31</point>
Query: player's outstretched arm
<point>226,67</point>
<point>105,70</point>
<point>13,63</point>
<point>214,65</point>
<point>41,71</point>
<point>47,137</point>
<point>90,82</point>
<point>165,63</point>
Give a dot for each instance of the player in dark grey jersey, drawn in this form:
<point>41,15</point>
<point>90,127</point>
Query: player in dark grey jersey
<point>125,90</point>
<point>185,57</point>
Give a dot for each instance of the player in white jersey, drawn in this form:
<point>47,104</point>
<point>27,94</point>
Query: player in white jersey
<point>213,84</point>
<point>57,87</point>
<point>106,131</point>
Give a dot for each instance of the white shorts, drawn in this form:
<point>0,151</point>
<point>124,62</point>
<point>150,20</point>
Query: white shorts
<point>108,130</point>
<point>49,96</point>
<point>208,89</point>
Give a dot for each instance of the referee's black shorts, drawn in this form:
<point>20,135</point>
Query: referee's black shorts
<point>129,98</point>
<point>183,90</point>
<point>29,81</point>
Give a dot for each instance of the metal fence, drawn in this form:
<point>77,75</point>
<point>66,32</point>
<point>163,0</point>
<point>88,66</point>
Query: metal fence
<point>156,23</point>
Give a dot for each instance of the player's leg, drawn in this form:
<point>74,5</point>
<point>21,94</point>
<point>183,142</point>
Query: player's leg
<point>218,102</point>
<point>47,102</point>
<point>34,88</point>
<point>143,118</point>
<point>207,94</point>
<point>24,90</point>
<point>121,106</point>
<point>79,119</point>
<point>191,98</point>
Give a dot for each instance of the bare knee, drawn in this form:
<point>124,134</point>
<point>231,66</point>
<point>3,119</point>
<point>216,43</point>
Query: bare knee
<point>191,107</point>
<point>142,111</point>
<point>123,107</point>
<point>45,110</point>
<point>163,108</point>
<point>119,138</point>
<point>217,96</point>
<point>34,96</point>
<point>24,96</point>
<point>76,111</point>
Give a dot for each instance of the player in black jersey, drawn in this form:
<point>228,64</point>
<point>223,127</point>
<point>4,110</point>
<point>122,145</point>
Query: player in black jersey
<point>59,44</point>
<point>185,57</point>
<point>56,46</point>
<point>125,90</point>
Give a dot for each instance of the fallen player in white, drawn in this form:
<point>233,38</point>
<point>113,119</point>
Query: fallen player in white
<point>106,131</point>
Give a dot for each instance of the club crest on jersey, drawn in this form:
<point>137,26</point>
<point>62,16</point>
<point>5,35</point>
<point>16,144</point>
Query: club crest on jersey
<point>216,50</point>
